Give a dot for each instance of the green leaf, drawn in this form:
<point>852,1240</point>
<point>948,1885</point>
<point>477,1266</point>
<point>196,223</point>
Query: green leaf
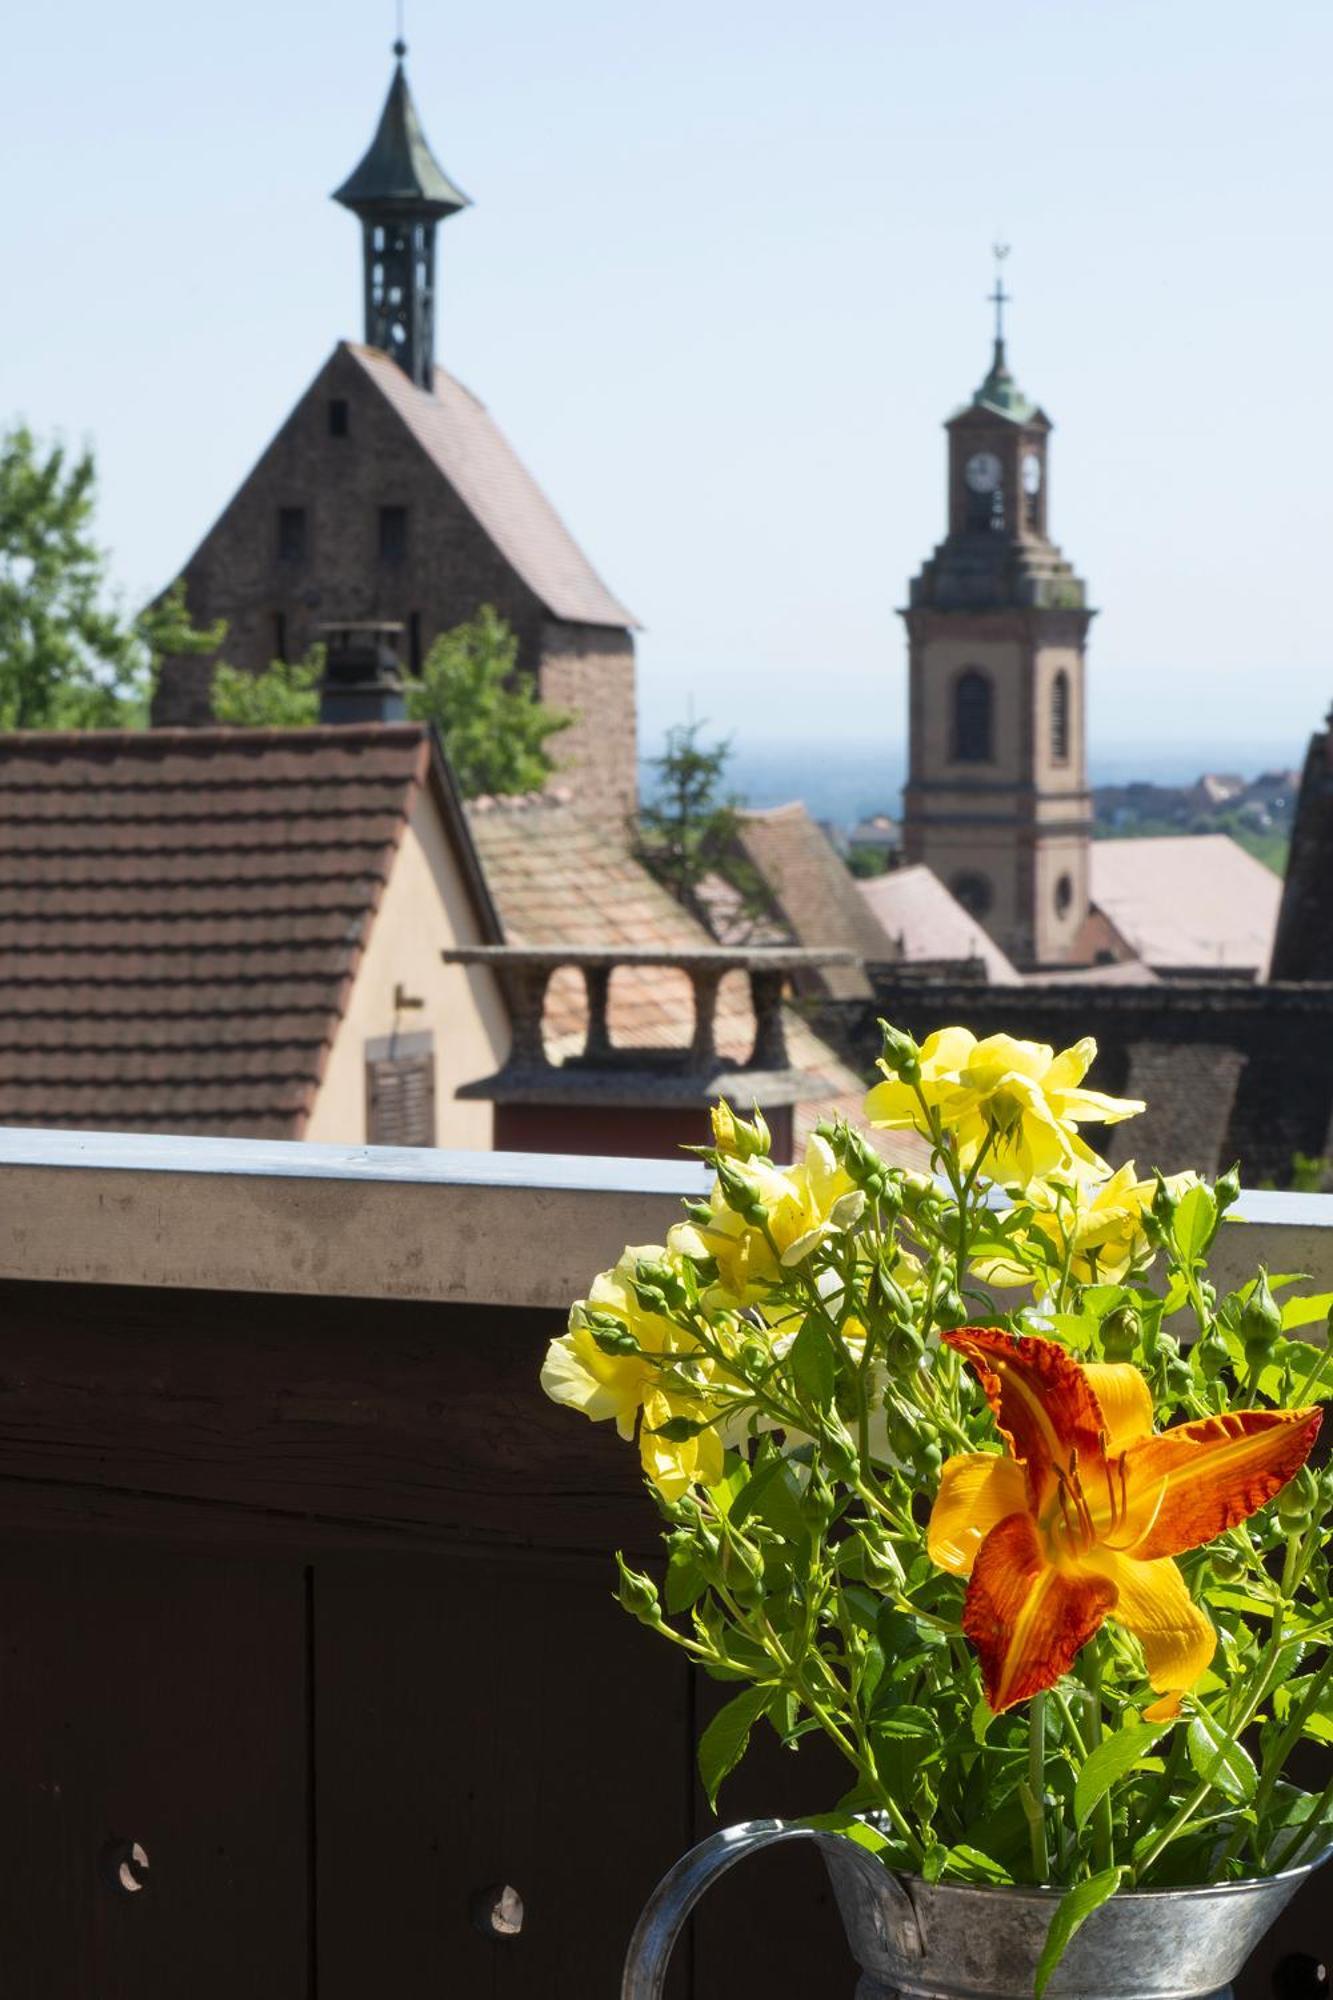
<point>1304,1312</point>
<point>969,1864</point>
<point>1113,1757</point>
<point>774,1497</point>
<point>1220,1761</point>
<point>727,1737</point>
<point>1196,1221</point>
<point>1075,1907</point>
<point>679,1430</point>
<point>812,1363</point>
<point>889,1717</point>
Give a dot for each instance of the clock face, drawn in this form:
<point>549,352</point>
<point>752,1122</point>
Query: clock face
<point>1032,473</point>
<point>983,472</point>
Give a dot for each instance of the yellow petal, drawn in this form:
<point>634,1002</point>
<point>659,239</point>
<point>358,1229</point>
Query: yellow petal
<point>893,1106</point>
<point>1072,1065</point>
<point>1125,1401</point>
<point>1153,1603</point>
<point>977,1490</point>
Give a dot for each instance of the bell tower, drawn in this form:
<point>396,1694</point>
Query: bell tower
<point>400,192</point>
<point>996,801</point>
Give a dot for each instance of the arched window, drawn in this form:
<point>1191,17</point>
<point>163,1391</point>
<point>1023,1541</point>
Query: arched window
<point>972,717</point>
<point>1060,718</point>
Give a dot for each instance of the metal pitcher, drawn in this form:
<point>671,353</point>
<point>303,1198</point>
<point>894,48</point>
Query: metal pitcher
<point>950,1941</point>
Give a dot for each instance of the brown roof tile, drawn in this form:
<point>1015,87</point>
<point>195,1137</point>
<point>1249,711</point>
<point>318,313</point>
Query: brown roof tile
<point>181,913</point>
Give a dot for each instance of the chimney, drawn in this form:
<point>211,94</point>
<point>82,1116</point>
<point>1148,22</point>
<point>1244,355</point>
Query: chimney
<point>361,681</point>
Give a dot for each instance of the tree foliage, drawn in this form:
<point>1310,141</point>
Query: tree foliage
<point>495,728</point>
<point>284,696</point>
<point>689,831</point>
<point>69,656</point>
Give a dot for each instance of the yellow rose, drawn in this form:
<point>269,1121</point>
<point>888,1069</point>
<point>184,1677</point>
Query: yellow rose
<point>1018,1103</point>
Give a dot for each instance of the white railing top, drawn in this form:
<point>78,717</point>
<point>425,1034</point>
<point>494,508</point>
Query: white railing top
<point>512,1229</point>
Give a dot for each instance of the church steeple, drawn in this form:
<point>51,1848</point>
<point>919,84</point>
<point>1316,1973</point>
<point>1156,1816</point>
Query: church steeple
<point>996,800</point>
<point>400,192</point>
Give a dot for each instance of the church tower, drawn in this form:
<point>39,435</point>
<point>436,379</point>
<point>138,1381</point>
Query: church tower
<point>400,192</point>
<point>996,802</point>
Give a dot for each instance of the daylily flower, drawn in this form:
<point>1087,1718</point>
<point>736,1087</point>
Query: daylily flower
<point>1099,1225</point>
<point>1078,1522</point>
<point>1018,1102</point>
<point>630,1387</point>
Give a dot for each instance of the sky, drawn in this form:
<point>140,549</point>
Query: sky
<point>724,279</point>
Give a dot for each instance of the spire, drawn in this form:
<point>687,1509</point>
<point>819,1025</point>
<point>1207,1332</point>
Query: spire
<point>400,191</point>
<point>400,172</point>
<point>999,391</point>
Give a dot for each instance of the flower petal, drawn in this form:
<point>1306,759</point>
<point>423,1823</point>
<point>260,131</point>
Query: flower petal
<point>1197,1479</point>
<point>1039,1395</point>
<point>1124,1399</point>
<point>1154,1604</point>
<point>1026,1618</point>
<point>978,1490</point>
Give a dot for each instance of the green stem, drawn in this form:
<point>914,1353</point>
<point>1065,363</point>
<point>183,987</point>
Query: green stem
<point>1103,1827</point>
<point>1035,1804</point>
<point>1288,1855</point>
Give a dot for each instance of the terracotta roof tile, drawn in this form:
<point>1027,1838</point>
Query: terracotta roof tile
<point>181,912</point>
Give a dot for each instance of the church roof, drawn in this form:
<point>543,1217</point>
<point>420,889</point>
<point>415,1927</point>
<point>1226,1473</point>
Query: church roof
<point>813,892</point>
<point>182,912</point>
<point>1000,396</point>
<point>925,923</point>
<point>458,433</point>
<point>400,170</point>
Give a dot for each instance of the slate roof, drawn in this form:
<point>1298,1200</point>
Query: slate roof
<point>182,913</point>
<point>399,169</point>
<point>926,924</point>
<point>1188,902</point>
<point>462,439</point>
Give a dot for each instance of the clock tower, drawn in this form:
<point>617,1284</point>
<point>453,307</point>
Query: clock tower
<point>996,802</point>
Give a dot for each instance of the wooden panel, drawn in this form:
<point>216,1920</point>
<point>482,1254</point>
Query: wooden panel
<point>477,1728</point>
<point>325,1421</point>
<point>160,1701</point>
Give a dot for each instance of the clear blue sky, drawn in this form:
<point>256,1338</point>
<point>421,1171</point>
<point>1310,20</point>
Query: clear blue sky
<point>724,278</point>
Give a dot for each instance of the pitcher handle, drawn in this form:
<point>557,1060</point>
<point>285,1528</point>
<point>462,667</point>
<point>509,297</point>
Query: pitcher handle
<point>671,1902</point>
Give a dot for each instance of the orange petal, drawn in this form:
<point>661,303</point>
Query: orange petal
<point>1026,1618</point>
<point>977,1491</point>
<point>1152,1602</point>
<point>1195,1480</point>
<point>1039,1394</point>
<point>1124,1399</point>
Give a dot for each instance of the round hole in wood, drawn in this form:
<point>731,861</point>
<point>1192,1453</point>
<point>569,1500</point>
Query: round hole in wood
<point>498,1911</point>
<point>125,1866</point>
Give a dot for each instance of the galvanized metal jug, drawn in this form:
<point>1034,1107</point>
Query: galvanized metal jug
<point>948,1941</point>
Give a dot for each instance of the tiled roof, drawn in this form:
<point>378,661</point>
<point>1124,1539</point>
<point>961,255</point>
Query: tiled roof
<point>924,922</point>
<point>181,913</point>
<point>814,892</point>
<point>1188,902</point>
<point>461,437</point>
<point>557,878</point>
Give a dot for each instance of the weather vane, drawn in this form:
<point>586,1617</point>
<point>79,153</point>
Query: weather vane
<point>400,41</point>
<point>999,298</point>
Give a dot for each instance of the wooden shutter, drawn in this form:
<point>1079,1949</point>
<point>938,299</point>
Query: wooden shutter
<point>400,1091</point>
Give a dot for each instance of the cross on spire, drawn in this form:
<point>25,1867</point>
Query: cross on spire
<point>999,298</point>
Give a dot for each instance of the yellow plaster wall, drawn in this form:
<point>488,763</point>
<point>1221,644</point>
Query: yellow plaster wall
<point>425,907</point>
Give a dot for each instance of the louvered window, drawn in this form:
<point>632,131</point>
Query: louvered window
<point>400,1090</point>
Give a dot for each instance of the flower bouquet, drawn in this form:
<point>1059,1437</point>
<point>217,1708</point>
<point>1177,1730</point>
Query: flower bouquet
<point>979,1474</point>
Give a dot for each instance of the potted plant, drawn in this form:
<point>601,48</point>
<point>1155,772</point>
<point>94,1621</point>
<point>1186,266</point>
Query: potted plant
<point>979,1473</point>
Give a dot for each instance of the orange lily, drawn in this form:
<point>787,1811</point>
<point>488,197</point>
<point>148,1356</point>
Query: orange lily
<point>1080,1521</point>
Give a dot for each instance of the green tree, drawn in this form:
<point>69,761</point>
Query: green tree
<point>494,727</point>
<point>69,657</point>
<point>688,832</point>
<point>284,696</point>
